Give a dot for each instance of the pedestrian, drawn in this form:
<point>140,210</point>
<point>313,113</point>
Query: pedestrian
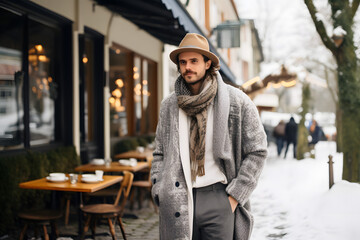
<point>315,133</point>
<point>291,135</point>
<point>210,150</point>
<point>279,134</point>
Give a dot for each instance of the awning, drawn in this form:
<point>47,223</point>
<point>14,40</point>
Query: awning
<point>166,20</point>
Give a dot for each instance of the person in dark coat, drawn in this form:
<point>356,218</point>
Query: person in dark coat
<point>291,135</point>
<point>279,134</point>
<point>315,133</point>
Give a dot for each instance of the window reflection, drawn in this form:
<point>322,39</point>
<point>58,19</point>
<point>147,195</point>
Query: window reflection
<point>42,86</point>
<point>11,81</point>
<point>133,107</point>
<point>137,93</point>
<point>119,82</point>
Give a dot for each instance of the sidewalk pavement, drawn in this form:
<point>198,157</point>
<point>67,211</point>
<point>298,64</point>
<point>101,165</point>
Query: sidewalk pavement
<point>145,227</point>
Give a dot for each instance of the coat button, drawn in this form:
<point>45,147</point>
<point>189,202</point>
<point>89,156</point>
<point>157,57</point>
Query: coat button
<point>154,181</point>
<point>177,214</point>
<point>177,184</point>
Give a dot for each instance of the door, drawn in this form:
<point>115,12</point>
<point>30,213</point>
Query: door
<point>91,57</point>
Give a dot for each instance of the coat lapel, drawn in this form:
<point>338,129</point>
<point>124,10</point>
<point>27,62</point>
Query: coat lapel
<point>221,117</point>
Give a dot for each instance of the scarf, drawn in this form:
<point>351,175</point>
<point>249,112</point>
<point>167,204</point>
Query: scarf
<point>196,108</point>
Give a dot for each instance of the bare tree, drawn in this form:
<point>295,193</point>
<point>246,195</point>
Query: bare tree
<point>342,46</point>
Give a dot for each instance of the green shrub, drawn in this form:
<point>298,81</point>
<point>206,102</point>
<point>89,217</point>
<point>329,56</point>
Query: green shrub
<point>142,141</point>
<point>25,167</point>
<point>125,145</point>
<point>149,138</point>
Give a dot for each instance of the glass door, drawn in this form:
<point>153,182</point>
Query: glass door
<point>91,95</point>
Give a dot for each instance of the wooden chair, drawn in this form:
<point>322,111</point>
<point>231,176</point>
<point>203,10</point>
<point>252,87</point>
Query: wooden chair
<point>142,185</point>
<point>109,211</point>
<point>40,218</point>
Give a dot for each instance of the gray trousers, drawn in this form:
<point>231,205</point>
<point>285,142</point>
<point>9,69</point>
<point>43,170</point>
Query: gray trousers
<point>213,217</point>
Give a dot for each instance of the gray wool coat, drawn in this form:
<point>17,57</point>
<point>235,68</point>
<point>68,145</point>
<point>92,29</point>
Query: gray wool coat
<point>239,148</point>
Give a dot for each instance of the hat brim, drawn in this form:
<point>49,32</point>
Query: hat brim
<point>214,59</point>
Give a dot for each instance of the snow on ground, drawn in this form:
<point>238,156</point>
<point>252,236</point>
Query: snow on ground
<point>293,200</point>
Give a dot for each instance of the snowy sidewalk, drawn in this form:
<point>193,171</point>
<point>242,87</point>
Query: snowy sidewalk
<point>293,200</point>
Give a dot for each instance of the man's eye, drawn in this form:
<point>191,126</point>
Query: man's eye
<point>194,60</point>
<point>182,62</point>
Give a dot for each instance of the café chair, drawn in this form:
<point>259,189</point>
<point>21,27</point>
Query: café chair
<point>41,218</point>
<point>140,185</point>
<point>109,211</point>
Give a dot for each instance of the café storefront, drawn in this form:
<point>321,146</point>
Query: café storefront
<point>67,80</point>
<point>79,73</point>
<point>84,73</point>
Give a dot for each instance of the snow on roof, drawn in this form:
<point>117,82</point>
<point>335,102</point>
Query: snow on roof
<point>266,100</point>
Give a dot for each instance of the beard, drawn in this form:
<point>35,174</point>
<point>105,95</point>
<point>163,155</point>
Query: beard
<point>197,81</point>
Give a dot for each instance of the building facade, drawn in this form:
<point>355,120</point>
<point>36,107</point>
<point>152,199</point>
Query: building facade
<point>90,73</point>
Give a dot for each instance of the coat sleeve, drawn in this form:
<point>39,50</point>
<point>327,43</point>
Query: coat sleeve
<point>158,154</point>
<point>253,149</point>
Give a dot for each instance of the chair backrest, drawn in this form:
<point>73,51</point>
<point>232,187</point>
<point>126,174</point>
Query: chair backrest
<point>149,175</point>
<point>124,189</point>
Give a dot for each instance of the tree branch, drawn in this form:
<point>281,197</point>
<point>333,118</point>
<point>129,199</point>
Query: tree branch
<point>333,92</point>
<point>320,28</point>
<point>354,7</point>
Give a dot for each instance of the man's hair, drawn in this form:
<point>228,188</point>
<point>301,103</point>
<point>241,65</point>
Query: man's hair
<point>211,71</point>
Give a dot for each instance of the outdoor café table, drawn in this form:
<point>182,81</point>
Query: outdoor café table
<point>143,156</point>
<point>114,167</point>
<point>80,187</point>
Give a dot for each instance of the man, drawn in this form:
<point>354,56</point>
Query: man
<point>210,150</point>
<point>279,134</point>
<point>291,129</point>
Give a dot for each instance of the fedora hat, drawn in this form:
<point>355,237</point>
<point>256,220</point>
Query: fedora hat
<point>193,42</point>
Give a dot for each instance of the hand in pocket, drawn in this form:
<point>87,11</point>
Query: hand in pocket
<point>233,203</point>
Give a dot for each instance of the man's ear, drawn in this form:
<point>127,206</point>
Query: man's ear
<point>208,64</point>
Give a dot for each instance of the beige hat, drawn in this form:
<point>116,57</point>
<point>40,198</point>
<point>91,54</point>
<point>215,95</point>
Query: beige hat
<point>193,42</point>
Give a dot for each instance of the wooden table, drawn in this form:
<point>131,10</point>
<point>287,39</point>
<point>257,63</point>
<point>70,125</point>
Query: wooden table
<point>144,156</point>
<point>114,167</point>
<point>79,187</point>
<point>43,184</point>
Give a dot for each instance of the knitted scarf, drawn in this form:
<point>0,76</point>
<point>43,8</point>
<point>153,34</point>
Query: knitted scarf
<point>196,108</point>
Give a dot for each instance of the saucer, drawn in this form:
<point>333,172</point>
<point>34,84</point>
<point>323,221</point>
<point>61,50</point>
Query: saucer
<point>91,180</point>
<point>126,162</point>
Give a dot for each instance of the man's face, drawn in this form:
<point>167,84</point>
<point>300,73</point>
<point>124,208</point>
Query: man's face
<point>192,66</point>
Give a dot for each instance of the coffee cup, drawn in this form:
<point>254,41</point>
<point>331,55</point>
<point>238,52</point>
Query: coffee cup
<point>57,176</point>
<point>99,174</point>
<point>140,149</point>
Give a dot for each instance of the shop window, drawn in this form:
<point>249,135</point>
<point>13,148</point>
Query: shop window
<point>133,107</point>
<point>120,83</point>
<point>43,89</point>
<point>31,69</point>
<point>11,116</point>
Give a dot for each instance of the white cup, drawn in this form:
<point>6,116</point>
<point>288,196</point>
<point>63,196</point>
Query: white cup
<point>140,149</point>
<point>99,174</point>
<point>57,176</point>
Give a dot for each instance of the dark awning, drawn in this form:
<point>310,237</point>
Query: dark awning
<point>166,20</point>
